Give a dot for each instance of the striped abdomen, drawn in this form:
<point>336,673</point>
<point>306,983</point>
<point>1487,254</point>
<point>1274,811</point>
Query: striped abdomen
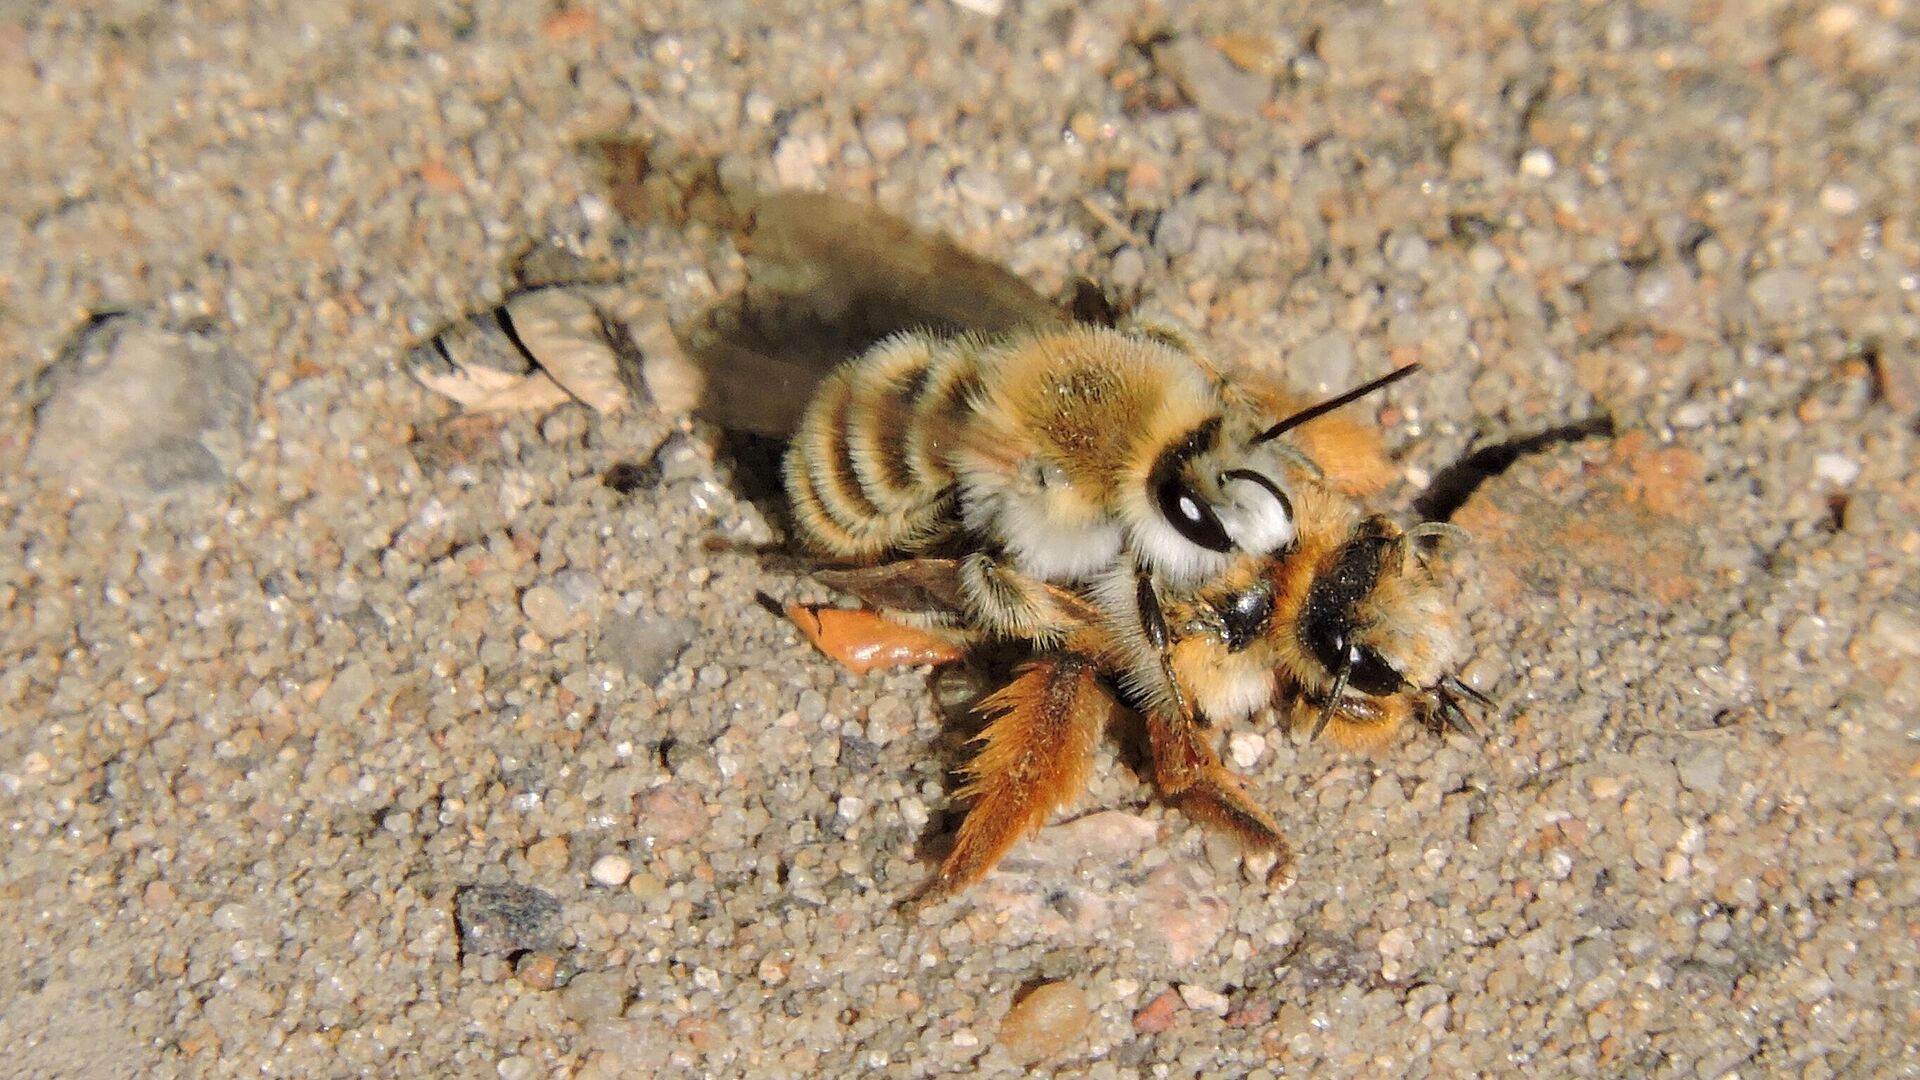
<point>867,472</point>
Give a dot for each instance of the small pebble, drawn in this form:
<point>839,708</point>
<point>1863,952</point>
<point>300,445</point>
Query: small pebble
<point>543,970</point>
<point>501,919</point>
<point>1246,748</point>
<point>1605,788</point>
<point>1201,999</point>
<point>1691,414</point>
<point>1896,631</point>
<point>1781,293</point>
<point>1836,469</point>
<point>1045,1023</point>
<point>1324,362</point>
<point>1838,198</point>
<point>1157,1016</point>
<point>643,647</point>
<point>139,409</point>
<point>1537,163</point>
<point>349,691</point>
<point>548,855</point>
<point>1704,770</point>
<point>1407,251</point>
<point>547,610</point>
<point>611,870</point>
<point>1210,80</point>
<point>886,137</point>
<point>593,995</point>
<point>671,814</point>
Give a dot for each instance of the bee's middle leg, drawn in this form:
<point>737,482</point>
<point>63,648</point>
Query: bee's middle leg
<point>1191,776</point>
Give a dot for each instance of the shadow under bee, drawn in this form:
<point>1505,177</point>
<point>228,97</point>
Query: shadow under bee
<point>825,279</point>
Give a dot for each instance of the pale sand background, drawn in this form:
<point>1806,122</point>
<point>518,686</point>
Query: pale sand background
<point>262,736</point>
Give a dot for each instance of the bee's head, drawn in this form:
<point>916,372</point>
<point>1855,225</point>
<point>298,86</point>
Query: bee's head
<point>1348,626</point>
<point>1382,636</point>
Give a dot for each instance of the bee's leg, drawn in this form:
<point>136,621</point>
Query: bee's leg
<point>1005,603</point>
<point>1191,777</point>
<point>1167,695</point>
<point>1034,757</point>
<point>864,640</point>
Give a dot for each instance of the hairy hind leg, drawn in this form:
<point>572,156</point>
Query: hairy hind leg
<point>1033,759</point>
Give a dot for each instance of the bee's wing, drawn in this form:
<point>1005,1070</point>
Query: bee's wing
<point>932,587</point>
<point>826,279</point>
<point>916,586</point>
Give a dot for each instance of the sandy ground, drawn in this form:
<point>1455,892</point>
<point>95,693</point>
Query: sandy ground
<point>347,735</point>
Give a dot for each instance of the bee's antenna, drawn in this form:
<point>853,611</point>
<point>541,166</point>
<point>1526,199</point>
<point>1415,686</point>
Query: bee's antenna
<point>1455,716</point>
<point>1317,411</point>
<point>1452,682</point>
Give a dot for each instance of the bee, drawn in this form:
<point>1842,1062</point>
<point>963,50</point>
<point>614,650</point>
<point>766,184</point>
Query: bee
<point>1106,498</point>
<point>1151,531</point>
<point>1053,455</point>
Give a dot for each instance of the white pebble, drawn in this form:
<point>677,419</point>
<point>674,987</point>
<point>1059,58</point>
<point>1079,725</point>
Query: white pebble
<point>1537,163</point>
<point>611,870</point>
<point>1836,469</point>
<point>1838,198</point>
<point>1201,999</point>
<point>1246,748</point>
<point>1691,414</point>
<point>851,807</point>
<point>886,137</point>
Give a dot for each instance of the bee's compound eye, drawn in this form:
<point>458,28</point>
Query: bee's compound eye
<point>1190,515</point>
<point>1368,673</point>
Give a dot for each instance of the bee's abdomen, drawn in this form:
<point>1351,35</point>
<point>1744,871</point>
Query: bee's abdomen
<point>867,472</point>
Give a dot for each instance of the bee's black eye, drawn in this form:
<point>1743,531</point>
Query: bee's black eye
<point>1330,621</point>
<point>1176,499</point>
<point>1369,674</point>
<point>1190,515</point>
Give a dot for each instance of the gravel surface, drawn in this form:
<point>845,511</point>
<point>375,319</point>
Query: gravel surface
<point>347,734</point>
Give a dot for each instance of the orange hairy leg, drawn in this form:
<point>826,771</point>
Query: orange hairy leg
<point>1190,776</point>
<point>1034,757</point>
<point>865,640</point>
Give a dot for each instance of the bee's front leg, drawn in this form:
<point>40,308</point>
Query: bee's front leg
<point>1190,775</point>
<point>1007,604</point>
